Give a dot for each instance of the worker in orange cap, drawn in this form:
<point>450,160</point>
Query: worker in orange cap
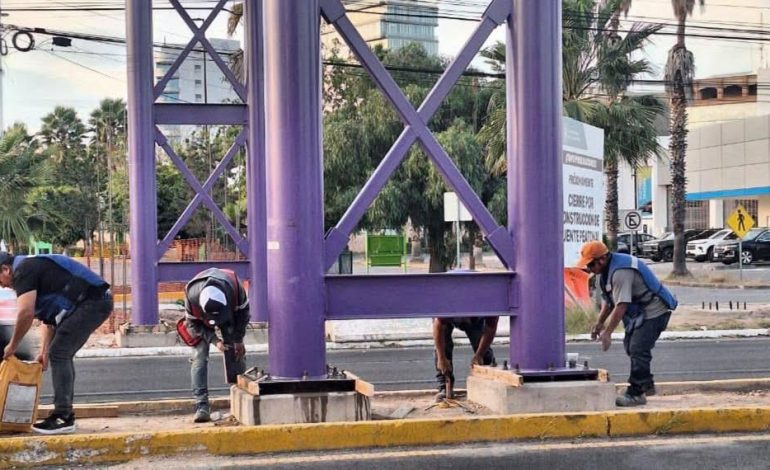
<point>632,293</point>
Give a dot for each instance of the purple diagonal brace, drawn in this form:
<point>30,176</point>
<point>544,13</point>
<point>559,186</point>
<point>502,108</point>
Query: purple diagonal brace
<point>255,166</point>
<point>533,87</point>
<point>337,236</point>
<point>237,87</point>
<point>141,164</point>
<point>198,34</point>
<point>205,198</point>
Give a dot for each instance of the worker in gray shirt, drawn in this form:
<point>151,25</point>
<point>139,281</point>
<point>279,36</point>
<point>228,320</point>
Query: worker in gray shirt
<point>632,293</point>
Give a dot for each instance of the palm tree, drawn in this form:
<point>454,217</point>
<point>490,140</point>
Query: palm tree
<point>598,67</point>
<point>680,68</point>
<point>21,171</point>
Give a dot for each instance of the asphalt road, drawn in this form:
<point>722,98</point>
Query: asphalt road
<point>681,453</point>
<point>111,379</point>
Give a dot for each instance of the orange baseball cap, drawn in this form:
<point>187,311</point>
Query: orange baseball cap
<point>590,251</point>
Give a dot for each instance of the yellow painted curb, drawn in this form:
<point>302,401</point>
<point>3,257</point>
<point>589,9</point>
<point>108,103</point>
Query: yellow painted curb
<point>89,449</point>
<point>166,297</point>
<point>117,447</point>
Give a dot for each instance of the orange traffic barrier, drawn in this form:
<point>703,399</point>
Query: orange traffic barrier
<point>576,291</point>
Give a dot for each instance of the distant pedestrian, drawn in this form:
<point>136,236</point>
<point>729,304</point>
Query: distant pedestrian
<point>214,300</point>
<point>479,330</point>
<point>633,293</point>
<point>741,221</point>
<point>71,302</point>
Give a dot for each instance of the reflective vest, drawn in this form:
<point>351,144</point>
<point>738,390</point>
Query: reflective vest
<point>224,279</point>
<point>53,307</point>
<point>635,312</point>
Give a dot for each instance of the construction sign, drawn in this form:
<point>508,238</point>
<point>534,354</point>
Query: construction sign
<point>740,221</point>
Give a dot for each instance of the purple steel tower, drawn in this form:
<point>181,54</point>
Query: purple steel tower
<point>286,248</point>
<point>295,186</point>
<point>533,88</point>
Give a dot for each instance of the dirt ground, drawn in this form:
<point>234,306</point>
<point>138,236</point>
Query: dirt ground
<point>384,406</point>
<point>689,318</point>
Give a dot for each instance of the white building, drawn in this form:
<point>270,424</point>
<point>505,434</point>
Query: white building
<point>189,84</point>
<point>391,24</point>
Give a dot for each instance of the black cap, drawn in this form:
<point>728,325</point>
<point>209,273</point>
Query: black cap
<point>5,258</point>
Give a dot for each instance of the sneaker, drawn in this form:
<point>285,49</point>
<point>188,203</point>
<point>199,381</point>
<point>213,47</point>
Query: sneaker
<point>650,392</point>
<point>202,415</point>
<point>440,396</point>
<point>56,424</point>
<point>627,400</point>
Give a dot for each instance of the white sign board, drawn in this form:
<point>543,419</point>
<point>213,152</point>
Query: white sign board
<point>630,220</point>
<point>454,210</point>
<point>583,176</point>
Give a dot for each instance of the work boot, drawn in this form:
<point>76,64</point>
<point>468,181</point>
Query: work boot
<point>627,400</point>
<point>202,414</point>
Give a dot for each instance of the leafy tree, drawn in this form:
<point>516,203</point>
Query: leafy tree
<point>22,169</point>
<point>74,196</point>
<point>680,68</point>
<point>598,67</point>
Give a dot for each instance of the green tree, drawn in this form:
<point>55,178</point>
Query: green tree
<point>22,169</point>
<point>680,68</point>
<point>598,66</point>
<point>71,203</point>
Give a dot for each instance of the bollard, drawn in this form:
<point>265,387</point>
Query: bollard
<point>731,305</point>
<point>709,305</point>
<point>717,305</point>
<point>703,305</point>
<point>744,305</point>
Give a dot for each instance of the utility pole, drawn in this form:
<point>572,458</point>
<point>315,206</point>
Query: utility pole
<point>3,51</point>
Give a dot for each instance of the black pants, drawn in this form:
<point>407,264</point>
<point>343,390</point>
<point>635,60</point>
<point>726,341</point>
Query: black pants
<point>638,345</point>
<point>473,328</point>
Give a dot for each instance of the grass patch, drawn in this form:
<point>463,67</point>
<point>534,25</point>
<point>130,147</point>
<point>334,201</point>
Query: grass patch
<point>579,321</point>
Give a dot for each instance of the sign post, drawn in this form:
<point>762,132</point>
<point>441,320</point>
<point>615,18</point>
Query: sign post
<point>630,221</point>
<point>455,211</point>
<point>741,222</point>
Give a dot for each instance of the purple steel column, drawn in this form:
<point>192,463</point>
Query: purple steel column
<point>295,187</point>
<point>255,182</point>
<point>533,71</point>
<point>141,164</point>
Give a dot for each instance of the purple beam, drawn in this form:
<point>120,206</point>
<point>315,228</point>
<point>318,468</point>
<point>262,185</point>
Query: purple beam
<point>183,272</point>
<point>255,163</point>
<point>295,186</point>
<point>416,127</point>
<point>202,193</point>
<point>201,114</point>
<point>141,163</point>
<point>533,87</point>
<point>419,295</point>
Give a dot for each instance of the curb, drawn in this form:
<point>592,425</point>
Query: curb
<point>352,343</point>
<point>716,285</point>
<point>121,447</point>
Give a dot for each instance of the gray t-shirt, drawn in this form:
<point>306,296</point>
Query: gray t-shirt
<point>628,284</point>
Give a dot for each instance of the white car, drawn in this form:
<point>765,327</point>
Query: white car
<point>703,250</point>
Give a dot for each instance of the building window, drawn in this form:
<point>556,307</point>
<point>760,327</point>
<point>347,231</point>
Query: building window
<point>696,215</point>
<point>198,83</point>
<point>733,91</point>
<point>753,90</point>
<point>198,97</point>
<point>197,67</point>
<point>709,93</point>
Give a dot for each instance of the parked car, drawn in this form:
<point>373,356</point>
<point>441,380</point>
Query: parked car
<point>755,247</point>
<point>625,242</point>
<point>702,250</point>
<point>663,247</point>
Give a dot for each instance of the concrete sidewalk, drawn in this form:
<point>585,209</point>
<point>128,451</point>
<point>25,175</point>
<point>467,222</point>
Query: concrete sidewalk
<point>120,432</point>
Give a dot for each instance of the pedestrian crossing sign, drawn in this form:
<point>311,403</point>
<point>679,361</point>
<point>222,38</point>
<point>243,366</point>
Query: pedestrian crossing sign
<point>740,221</point>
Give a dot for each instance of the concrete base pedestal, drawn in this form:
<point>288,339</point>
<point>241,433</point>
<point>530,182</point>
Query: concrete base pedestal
<point>324,407</point>
<point>541,397</point>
